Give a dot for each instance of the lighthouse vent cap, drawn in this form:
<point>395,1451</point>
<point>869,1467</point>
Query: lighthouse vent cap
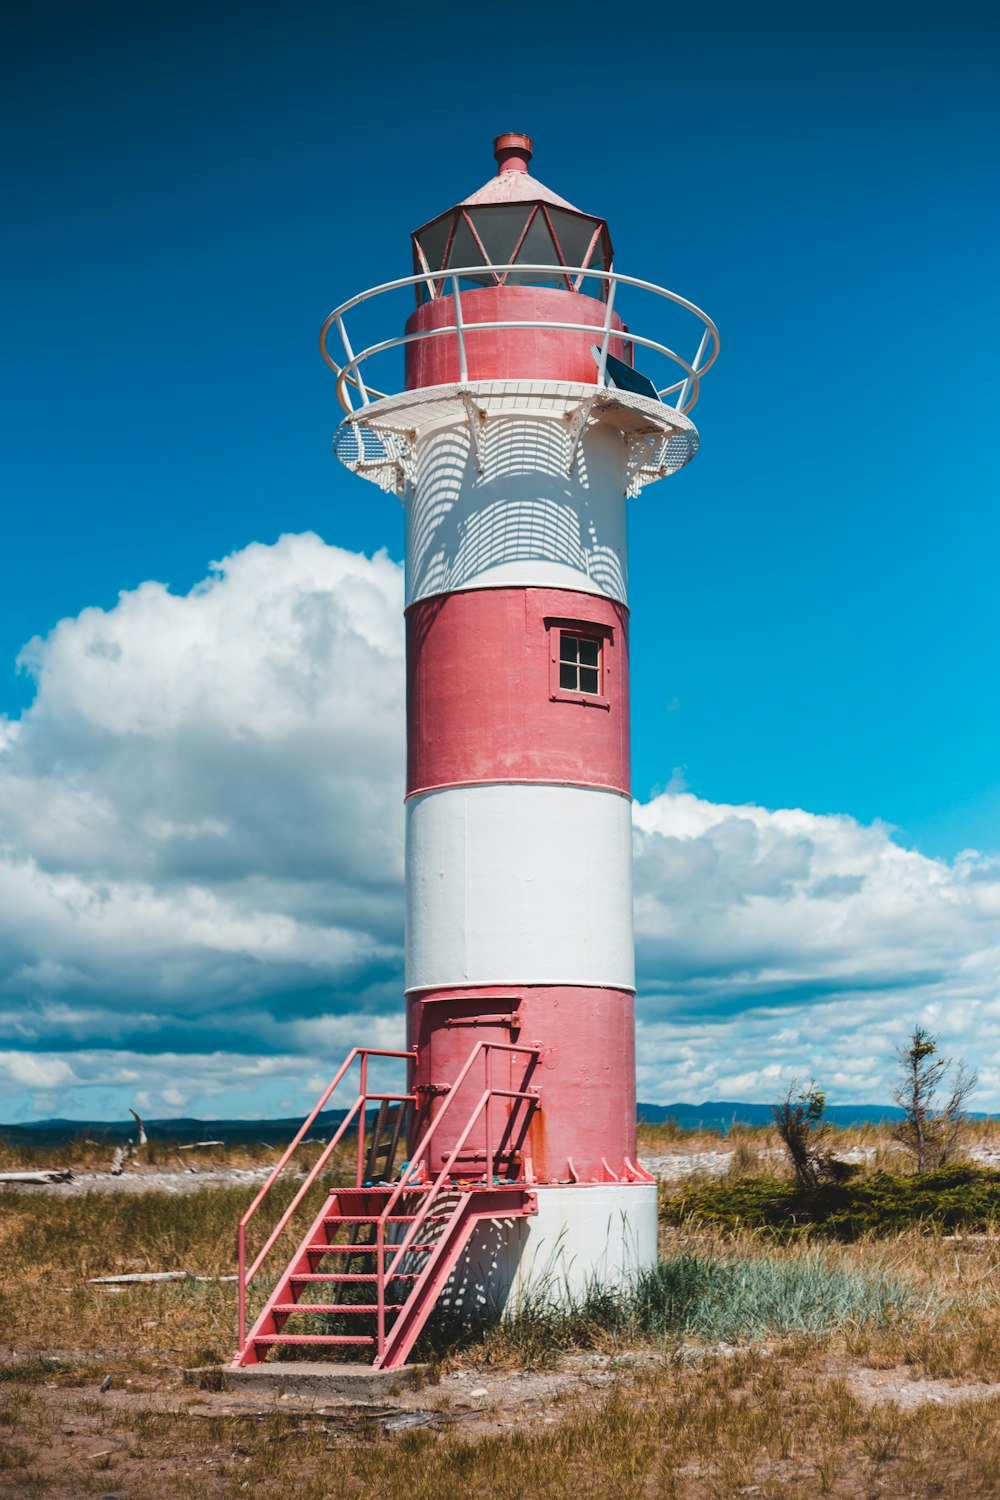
<point>512,151</point>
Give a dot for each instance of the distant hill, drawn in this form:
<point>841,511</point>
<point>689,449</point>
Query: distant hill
<point>233,1132</point>
<point>720,1114</point>
<point>713,1114</point>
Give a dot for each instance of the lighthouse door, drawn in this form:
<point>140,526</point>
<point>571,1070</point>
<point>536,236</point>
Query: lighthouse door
<point>456,1026</point>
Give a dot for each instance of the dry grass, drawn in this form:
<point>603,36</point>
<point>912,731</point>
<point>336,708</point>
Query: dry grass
<point>50,1245</point>
<point>756,1150</point>
<point>667,1135</point>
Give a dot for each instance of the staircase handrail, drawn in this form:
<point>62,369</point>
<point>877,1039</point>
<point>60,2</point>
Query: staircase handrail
<point>363,1097</point>
<point>407,1180</point>
<point>435,1187</point>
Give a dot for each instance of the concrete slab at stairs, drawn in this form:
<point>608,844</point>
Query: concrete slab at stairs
<point>321,1382</point>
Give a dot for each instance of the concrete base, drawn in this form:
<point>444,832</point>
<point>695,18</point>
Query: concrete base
<point>318,1382</point>
<point>584,1235</point>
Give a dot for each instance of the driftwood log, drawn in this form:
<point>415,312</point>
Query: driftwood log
<point>139,1278</point>
<point>39,1178</point>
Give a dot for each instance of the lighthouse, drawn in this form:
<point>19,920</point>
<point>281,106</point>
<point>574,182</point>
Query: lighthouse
<point>521,415</point>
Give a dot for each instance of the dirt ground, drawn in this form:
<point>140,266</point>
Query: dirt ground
<point>140,1437</point>
<point>148,1439</point>
<point>851,1419</point>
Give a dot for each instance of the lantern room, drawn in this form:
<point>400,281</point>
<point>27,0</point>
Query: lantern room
<point>517,253</point>
<point>512,220</point>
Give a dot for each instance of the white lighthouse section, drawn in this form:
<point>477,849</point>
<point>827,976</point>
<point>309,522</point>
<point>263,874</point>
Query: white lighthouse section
<point>502,887</point>
<point>582,1239</point>
<point>518,499</point>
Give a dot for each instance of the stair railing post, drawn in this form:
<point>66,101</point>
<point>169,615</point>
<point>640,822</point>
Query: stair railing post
<point>421,1149</point>
<point>489,1101</point>
<point>241,1261</point>
<point>363,1090</point>
<point>380,1283</point>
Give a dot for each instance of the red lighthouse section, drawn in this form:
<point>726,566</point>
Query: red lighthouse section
<point>585,1130</point>
<point>517,685</point>
<point>510,222</point>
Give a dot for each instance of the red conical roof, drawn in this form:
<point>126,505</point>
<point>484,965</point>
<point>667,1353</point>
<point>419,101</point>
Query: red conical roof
<point>512,182</point>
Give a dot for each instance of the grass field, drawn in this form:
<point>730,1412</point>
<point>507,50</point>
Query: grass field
<point>746,1365</point>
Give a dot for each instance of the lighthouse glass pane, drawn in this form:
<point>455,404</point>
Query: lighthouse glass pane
<point>464,250</point>
<point>574,233</point>
<point>589,653</point>
<point>567,676</point>
<point>537,249</point>
<point>569,647</point>
<point>433,240</point>
<point>588,680</point>
<point>500,227</point>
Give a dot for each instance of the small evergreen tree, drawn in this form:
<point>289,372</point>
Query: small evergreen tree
<point>929,1133</point>
<point>798,1116</point>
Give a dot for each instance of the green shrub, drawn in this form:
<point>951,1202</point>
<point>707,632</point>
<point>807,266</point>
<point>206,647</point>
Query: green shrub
<point>946,1199</point>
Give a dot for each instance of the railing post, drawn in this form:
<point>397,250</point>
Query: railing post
<point>241,1265</point>
<point>488,1112</point>
<point>463,368</point>
<point>609,307</point>
<point>679,404</point>
<point>362,1118</point>
<point>350,356</point>
<point>380,1283</point>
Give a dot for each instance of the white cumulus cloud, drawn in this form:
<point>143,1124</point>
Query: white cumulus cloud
<point>200,826</point>
<point>201,875</point>
<point>779,943</point>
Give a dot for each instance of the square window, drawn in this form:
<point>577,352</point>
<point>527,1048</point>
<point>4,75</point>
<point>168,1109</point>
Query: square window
<point>579,663</point>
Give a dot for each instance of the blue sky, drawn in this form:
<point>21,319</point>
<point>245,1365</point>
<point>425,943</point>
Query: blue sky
<point>189,190</point>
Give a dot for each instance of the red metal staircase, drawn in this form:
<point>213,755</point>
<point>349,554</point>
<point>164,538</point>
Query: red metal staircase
<point>379,1254</point>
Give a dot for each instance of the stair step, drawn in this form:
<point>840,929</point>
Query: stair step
<point>328,1307</point>
<point>312,1338</point>
<point>306,1276</point>
<point>342,1249</point>
<point>360,1249</point>
<point>378,1219</point>
<point>368,1219</point>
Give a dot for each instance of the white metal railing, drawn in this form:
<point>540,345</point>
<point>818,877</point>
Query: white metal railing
<point>349,375</point>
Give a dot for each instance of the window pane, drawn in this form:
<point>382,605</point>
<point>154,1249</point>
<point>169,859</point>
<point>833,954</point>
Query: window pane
<point>568,647</point>
<point>588,679</point>
<point>433,238</point>
<point>567,676</point>
<point>464,250</point>
<point>499,226</point>
<point>574,233</point>
<point>537,249</point>
<point>589,653</point>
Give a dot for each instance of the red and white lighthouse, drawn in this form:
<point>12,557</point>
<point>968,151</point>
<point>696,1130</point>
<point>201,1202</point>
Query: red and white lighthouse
<point>522,429</point>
